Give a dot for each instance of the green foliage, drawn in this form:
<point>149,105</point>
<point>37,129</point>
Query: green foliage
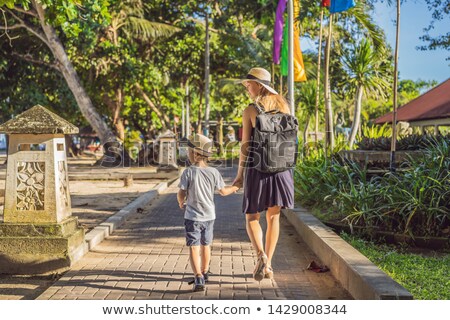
<point>426,277</point>
<point>410,142</point>
<point>376,131</point>
<point>415,200</point>
<point>159,45</point>
<point>367,69</point>
<point>440,11</point>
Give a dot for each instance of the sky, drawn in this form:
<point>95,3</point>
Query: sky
<point>414,17</point>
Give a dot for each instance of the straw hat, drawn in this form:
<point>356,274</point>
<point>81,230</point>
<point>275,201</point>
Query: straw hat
<point>201,145</point>
<point>261,76</point>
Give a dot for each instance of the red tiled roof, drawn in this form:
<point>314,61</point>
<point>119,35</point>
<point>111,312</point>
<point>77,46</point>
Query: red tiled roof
<point>433,104</point>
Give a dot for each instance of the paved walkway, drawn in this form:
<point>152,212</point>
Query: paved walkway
<point>147,259</point>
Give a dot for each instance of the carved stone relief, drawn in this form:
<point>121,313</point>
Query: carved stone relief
<point>63,184</point>
<point>30,185</point>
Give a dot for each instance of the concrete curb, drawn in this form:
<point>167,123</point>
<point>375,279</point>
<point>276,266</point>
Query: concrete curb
<point>357,274</point>
<point>104,229</point>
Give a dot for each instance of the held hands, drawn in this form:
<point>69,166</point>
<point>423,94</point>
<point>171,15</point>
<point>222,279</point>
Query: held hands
<point>238,182</point>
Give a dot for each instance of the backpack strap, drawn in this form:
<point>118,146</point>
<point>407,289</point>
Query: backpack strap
<point>258,108</point>
<point>261,110</point>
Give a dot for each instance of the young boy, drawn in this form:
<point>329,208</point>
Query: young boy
<point>197,185</point>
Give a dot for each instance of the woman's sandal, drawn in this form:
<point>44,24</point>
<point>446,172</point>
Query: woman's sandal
<point>268,273</point>
<point>258,273</point>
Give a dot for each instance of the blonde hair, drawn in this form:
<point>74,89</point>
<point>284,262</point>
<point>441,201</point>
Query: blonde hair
<point>270,101</point>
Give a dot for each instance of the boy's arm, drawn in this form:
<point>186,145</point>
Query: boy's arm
<point>181,196</point>
<point>227,190</point>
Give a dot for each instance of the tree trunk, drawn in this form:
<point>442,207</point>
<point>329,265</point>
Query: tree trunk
<point>165,121</point>
<point>73,82</point>
<point>199,121</point>
<point>207,111</point>
<point>305,131</point>
<point>188,110</point>
<point>356,116</point>
<point>220,136</point>
<point>116,106</point>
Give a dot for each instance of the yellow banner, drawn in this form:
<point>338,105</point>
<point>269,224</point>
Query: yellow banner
<point>299,67</point>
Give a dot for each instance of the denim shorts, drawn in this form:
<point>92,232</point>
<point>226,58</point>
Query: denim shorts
<point>198,232</point>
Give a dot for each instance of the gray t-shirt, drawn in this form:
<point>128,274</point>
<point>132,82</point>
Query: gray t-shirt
<point>200,184</point>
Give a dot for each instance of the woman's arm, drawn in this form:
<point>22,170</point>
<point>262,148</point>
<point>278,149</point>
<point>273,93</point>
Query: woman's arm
<point>247,116</point>
<point>227,190</point>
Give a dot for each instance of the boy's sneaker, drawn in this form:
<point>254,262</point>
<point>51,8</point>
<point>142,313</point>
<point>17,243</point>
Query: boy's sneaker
<point>206,275</point>
<point>199,283</point>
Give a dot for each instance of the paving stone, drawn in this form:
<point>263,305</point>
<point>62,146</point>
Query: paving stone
<point>147,259</point>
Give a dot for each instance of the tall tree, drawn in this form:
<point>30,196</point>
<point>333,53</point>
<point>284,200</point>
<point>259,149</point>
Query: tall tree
<point>307,98</point>
<point>39,19</point>
<point>367,75</point>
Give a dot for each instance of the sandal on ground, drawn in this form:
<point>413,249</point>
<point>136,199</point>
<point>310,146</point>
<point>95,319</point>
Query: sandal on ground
<point>268,273</point>
<point>258,273</point>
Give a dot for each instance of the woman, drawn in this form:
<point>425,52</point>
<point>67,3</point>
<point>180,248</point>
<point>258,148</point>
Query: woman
<point>262,191</point>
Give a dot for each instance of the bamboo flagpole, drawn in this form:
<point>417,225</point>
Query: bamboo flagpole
<point>316,138</point>
<point>290,84</point>
<point>329,136</point>
<point>394,113</point>
<point>207,107</point>
<point>335,7</point>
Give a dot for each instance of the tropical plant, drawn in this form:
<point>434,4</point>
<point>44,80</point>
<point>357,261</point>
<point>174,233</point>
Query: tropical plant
<point>415,200</point>
<point>306,106</point>
<point>366,73</point>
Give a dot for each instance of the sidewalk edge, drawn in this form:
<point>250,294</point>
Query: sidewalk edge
<point>357,274</point>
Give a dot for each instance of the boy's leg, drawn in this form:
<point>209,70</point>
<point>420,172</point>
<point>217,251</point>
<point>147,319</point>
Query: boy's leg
<point>206,239</point>
<point>206,258</point>
<point>193,242</point>
<point>194,255</point>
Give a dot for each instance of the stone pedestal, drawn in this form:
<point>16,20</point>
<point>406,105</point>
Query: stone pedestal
<point>38,234</point>
<point>167,150</point>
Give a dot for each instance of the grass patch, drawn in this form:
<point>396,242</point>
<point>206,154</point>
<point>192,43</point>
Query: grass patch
<point>427,277</point>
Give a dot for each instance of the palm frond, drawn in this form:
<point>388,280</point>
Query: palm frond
<point>373,31</point>
<point>148,30</point>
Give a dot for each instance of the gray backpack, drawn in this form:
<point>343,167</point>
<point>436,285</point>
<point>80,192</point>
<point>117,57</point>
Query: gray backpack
<point>275,141</point>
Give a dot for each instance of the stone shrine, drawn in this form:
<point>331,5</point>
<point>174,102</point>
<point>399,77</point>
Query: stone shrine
<point>38,234</point>
<point>167,156</point>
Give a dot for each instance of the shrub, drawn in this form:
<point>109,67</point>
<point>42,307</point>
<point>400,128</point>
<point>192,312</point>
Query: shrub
<point>414,201</point>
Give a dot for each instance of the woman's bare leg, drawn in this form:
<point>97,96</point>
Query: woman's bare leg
<point>254,231</point>
<point>273,232</point>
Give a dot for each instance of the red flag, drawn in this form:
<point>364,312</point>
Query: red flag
<point>326,3</point>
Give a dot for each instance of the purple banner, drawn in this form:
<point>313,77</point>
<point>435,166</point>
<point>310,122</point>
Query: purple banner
<point>278,30</point>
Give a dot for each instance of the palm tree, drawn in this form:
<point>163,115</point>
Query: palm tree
<point>307,98</point>
<point>366,70</point>
<point>34,17</point>
<point>128,21</point>
<point>357,20</point>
